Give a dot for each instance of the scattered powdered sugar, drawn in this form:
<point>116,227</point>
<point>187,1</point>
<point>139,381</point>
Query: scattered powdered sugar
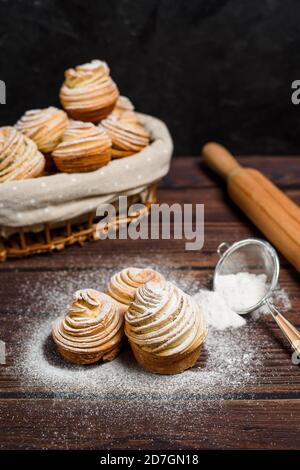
<point>242,290</point>
<point>230,359</point>
<point>280,299</point>
<point>216,311</point>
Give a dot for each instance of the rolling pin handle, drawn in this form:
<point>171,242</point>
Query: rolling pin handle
<point>219,159</point>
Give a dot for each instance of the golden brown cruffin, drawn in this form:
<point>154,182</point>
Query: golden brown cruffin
<point>84,147</point>
<point>124,110</point>
<point>122,285</point>
<point>92,330</point>
<point>127,138</point>
<point>44,126</point>
<point>19,156</point>
<point>88,92</point>
<point>123,104</point>
<point>165,328</point>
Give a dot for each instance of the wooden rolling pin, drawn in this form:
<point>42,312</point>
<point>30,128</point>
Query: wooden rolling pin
<point>268,208</point>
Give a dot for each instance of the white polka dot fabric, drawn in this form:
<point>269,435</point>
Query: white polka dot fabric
<point>54,199</point>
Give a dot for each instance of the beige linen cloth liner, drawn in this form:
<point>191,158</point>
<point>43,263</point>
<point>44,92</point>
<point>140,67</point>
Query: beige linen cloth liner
<point>57,198</point>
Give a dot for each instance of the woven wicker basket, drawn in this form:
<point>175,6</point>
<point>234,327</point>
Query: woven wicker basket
<point>24,243</point>
<point>71,219</point>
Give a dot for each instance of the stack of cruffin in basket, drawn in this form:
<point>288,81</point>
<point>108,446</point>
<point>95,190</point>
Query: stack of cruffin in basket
<point>86,155</point>
<point>95,125</point>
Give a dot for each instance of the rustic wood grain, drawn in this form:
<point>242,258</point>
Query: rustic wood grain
<point>264,415</point>
<point>247,424</point>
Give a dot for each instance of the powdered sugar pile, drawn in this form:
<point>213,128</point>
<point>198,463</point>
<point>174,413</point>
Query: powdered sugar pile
<point>216,311</point>
<point>242,290</point>
<point>236,292</point>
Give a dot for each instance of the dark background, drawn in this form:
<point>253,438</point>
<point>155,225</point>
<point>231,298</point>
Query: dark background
<point>211,69</point>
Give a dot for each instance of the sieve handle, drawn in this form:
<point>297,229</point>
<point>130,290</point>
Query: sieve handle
<point>290,332</point>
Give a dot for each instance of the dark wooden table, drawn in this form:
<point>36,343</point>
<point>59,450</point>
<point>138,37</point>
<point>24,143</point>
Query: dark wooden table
<point>265,415</point>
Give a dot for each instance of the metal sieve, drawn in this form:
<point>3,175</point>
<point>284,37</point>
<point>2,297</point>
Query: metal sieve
<point>256,256</point>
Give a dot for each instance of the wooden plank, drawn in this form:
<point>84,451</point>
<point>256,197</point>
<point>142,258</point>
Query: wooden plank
<point>191,172</point>
<point>71,424</point>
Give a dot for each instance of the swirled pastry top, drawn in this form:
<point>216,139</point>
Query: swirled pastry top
<point>84,147</point>
<point>88,92</point>
<point>93,324</point>
<point>44,126</point>
<point>163,320</point>
<point>19,156</point>
<point>122,285</point>
<point>123,104</point>
<point>129,137</point>
<point>124,110</point>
